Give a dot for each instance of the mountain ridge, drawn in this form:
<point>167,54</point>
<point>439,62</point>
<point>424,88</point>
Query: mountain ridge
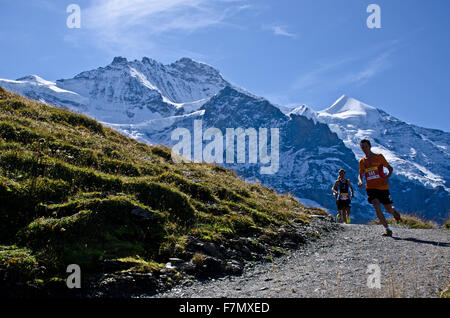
<point>147,100</point>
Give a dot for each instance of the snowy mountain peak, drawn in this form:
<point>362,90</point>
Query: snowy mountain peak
<point>353,110</point>
<point>146,99</point>
<point>186,60</point>
<point>190,66</point>
<point>304,111</point>
<point>349,105</point>
<point>414,154</point>
<point>34,79</point>
<point>147,60</point>
<point>119,60</point>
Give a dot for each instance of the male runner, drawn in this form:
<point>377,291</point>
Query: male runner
<point>343,198</point>
<point>377,183</point>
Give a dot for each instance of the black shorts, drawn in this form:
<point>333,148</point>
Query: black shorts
<point>384,196</point>
<point>341,204</point>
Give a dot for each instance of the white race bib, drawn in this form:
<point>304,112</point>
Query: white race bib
<point>372,173</point>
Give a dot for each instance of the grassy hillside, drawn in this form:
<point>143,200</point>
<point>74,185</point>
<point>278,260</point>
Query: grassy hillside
<point>73,191</point>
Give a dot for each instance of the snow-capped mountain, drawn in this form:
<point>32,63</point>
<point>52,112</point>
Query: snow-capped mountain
<point>35,87</point>
<point>304,111</point>
<point>309,153</point>
<point>148,101</point>
<point>420,156</point>
<point>128,91</point>
<point>417,153</point>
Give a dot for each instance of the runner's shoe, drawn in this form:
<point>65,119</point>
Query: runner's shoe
<point>387,233</point>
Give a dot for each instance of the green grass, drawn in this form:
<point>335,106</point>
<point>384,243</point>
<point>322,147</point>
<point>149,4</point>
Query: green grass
<point>445,293</point>
<point>19,263</point>
<point>446,225</point>
<point>68,186</point>
<point>411,222</point>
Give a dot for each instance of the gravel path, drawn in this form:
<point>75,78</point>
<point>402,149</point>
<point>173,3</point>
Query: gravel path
<point>413,263</point>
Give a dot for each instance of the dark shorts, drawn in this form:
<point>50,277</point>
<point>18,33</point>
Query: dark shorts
<point>341,204</point>
<point>384,196</point>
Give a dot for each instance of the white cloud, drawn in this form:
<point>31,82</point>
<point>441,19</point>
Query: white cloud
<point>318,76</point>
<point>280,30</point>
<point>353,70</point>
<point>374,67</point>
<point>140,27</point>
<point>157,16</point>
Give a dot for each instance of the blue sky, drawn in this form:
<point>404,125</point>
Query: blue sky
<point>291,52</point>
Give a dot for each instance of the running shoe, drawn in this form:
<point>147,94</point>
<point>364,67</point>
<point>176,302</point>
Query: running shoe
<point>387,233</point>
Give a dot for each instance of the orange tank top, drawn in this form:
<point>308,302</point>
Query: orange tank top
<point>373,171</point>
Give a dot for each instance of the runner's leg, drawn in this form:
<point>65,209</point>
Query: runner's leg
<point>380,215</point>
<point>344,214</point>
<point>338,215</point>
<point>341,212</point>
<point>391,209</point>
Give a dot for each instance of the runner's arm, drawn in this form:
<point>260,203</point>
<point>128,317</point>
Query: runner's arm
<point>334,188</point>
<point>350,186</point>
<point>360,180</point>
<point>361,173</point>
<point>387,165</point>
<point>390,171</point>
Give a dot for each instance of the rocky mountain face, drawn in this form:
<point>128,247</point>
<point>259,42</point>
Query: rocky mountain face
<point>149,101</point>
<point>309,153</point>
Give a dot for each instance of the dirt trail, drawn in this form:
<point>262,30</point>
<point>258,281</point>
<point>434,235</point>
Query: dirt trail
<point>413,263</point>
